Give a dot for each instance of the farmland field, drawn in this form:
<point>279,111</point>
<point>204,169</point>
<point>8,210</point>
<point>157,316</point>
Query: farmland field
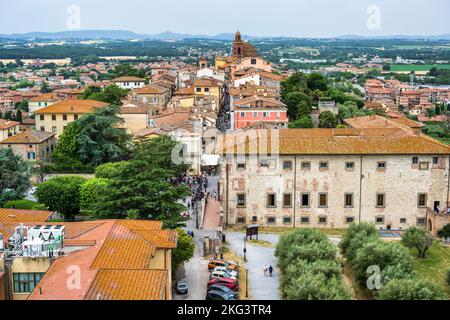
<point>417,67</point>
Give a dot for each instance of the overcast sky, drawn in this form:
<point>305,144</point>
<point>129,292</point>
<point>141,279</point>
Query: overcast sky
<point>302,18</point>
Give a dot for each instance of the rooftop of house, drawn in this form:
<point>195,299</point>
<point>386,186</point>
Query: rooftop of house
<point>392,141</point>
<point>114,257</point>
<point>258,102</point>
<point>6,124</point>
<point>375,121</point>
<point>72,106</point>
<point>18,215</point>
<point>45,97</point>
<point>29,137</point>
<point>128,79</point>
<point>151,89</point>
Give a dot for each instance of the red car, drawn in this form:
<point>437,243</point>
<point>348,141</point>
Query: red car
<point>227,282</point>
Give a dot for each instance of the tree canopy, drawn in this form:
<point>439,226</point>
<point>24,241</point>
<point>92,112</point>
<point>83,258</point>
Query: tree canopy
<point>14,176</point>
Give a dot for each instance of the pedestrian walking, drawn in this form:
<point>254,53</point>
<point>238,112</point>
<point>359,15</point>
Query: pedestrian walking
<point>270,270</point>
<point>265,270</point>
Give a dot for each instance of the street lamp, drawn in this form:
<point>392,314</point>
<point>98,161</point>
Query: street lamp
<point>245,249</point>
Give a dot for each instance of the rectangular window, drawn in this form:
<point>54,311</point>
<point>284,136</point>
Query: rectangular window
<point>348,200</point>
<point>402,220</point>
<point>323,165</point>
<point>264,163</point>
<point>240,200</point>
<point>64,117</point>
<point>241,220</point>
<point>349,219</point>
<point>265,114</point>
<point>206,89</point>
<point>198,89</point>
<point>422,200</point>
<point>287,165</point>
<point>53,117</point>
<point>415,160</point>
<point>306,165</point>
<point>435,160</point>
<point>379,220</point>
<point>381,200</point>
<point>31,156</point>
<point>304,220</point>
<point>254,219</point>
<point>243,114</point>
<point>271,220</point>
<point>253,61</point>
<point>381,165</point>
<point>420,221</point>
<point>241,165</point>
<point>271,200</point>
<point>423,165</point>
<point>287,220</point>
<point>54,129</point>
<point>322,220</point>
<point>41,117</point>
<point>75,117</point>
<point>42,128</point>
<point>26,282</point>
<point>304,198</point>
<point>323,200</point>
<point>287,200</point>
<point>349,165</point>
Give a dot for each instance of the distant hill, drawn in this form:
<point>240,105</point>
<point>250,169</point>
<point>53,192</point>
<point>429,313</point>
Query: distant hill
<point>168,35</point>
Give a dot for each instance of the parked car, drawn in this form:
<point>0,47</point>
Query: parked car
<point>233,284</point>
<point>219,295</point>
<point>224,269</point>
<point>181,287</point>
<point>224,289</point>
<point>221,274</point>
<point>215,263</point>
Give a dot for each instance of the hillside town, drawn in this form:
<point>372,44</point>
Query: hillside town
<point>188,179</point>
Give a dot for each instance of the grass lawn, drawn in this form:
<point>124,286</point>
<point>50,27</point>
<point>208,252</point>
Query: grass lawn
<point>417,67</point>
<point>20,204</point>
<point>434,267</point>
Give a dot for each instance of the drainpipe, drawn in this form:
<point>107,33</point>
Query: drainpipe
<point>295,185</point>
<point>360,186</point>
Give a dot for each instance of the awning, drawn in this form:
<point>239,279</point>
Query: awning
<point>210,159</point>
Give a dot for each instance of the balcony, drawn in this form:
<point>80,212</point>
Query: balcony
<point>437,219</point>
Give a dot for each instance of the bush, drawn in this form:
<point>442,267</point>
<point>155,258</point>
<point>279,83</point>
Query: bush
<point>109,170</point>
<point>411,289</point>
<point>20,204</point>
<point>382,254</point>
<point>61,194</point>
<point>315,286</point>
<point>364,228</point>
<point>184,250</point>
<point>68,168</point>
<point>445,231</point>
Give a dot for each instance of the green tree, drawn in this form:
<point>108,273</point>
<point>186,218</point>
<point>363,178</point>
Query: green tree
<point>293,100</point>
<point>66,151</point>
<point>327,120</point>
<point>142,188</point>
<point>303,122</point>
<point>316,81</point>
<point>19,116</point>
<point>303,109</point>
<point>61,194</point>
<point>90,192</point>
<point>111,94</point>
<point>355,236</point>
<point>45,88</point>
<point>14,176</point>
<point>417,238</point>
<point>184,250</point>
<point>411,289</point>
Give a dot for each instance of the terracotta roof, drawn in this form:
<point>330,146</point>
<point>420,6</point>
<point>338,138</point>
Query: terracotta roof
<point>375,121</point>
<point>331,141</point>
<point>6,124</point>
<point>18,215</point>
<point>185,91</point>
<point>128,285</point>
<point>258,102</point>
<point>205,83</point>
<point>44,97</point>
<point>128,79</point>
<point>151,89</point>
<point>72,107</point>
<point>31,136</point>
<point>133,109</point>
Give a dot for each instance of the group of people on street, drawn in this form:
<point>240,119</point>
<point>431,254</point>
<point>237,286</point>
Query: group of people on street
<point>268,269</point>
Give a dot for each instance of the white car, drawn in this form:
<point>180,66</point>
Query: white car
<point>221,274</point>
<point>224,269</point>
